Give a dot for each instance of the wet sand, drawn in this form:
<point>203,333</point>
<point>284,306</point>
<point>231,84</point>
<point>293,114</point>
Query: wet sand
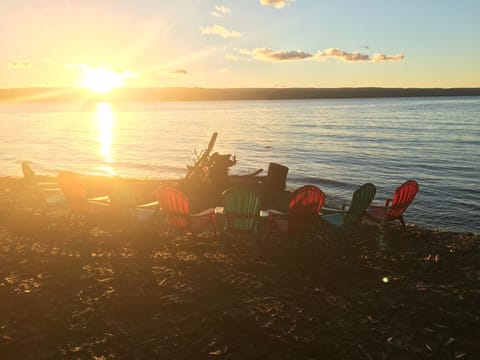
<point>76,290</point>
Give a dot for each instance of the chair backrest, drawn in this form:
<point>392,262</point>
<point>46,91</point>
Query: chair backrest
<point>304,206</point>
<point>28,174</point>
<point>276,179</point>
<point>122,200</point>
<point>361,199</point>
<point>402,198</point>
<point>74,191</point>
<point>175,206</point>
<point>242,206</point>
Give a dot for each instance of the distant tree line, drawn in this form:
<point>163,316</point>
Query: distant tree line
<point>207,94</point>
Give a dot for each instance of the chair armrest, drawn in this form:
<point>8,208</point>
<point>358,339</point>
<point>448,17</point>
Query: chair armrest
<point>204,212</point>
<point>272,215</point>
<point>152,204</point>
<point>266,213</point>
<point>100,198</point>
<point>219,210</point>
<point>329,211</point>
<point>377,206</point>
<point>46,184</point>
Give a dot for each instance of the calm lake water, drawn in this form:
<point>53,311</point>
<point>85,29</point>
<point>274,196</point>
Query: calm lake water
<point>334,144</point>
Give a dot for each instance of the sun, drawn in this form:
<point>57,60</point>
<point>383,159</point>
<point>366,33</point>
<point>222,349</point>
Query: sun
<point>101,79</point>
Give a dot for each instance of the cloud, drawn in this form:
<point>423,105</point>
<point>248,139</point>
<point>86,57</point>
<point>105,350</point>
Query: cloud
<point>275,3</point>
<point>382,57</point>
<point>179,72</point>
<point>266,54</point>
<point>220,11</point>
<point>19,65</point>
<point>220,31</point>
<point>342,55</point>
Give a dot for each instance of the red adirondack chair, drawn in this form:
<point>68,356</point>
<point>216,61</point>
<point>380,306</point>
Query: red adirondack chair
<point>395,208</point>
<point>76,195</point>
<point>304,207</point>
<point>176,208</point>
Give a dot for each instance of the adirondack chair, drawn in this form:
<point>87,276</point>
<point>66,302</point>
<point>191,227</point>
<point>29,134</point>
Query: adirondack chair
<point>76,196</point>
<point>303,210</point>
<point>124,207</point>
<point>394,208</point>
<point>241,211</point>
<point>38,195</point>
<point>347,220</point>
<point>175,206</point>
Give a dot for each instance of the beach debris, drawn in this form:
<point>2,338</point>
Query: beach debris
<point>210,169</point>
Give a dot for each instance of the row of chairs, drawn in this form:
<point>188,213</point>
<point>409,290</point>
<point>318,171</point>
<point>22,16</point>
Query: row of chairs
<point>305,209</point>
<point>243,209</point>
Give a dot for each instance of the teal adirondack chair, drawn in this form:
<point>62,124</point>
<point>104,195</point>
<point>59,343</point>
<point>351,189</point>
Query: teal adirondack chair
<point>347,220</point>
<point>241,210</point>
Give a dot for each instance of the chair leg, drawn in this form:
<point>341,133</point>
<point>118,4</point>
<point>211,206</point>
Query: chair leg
<point>403,223</point>
<point>214,228</point>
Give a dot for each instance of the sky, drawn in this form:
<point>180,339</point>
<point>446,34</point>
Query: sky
<point>242,43</point>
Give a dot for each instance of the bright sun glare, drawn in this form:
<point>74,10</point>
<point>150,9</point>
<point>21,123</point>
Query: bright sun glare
<point>102,80</point>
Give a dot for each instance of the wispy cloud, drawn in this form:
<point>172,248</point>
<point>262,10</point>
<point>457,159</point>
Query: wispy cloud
<point>220,31</point>
<point>19,65</point>
<point>266,54</point>
<point>275,3</point>
<point>382,57</point>
<point>179,72</point>
<point>342,55</point>
<point>220,11</point>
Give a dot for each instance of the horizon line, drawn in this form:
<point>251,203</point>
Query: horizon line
<point>151,94</point>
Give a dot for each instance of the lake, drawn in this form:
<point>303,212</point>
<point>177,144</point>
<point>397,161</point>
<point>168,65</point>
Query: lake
<point>334,144</point>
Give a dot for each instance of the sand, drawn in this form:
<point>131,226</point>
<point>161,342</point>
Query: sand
<point>76,290</point>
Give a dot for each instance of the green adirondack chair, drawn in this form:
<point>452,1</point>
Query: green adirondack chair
<point>241,210</point>
<point>346,220</point>
<point>124,207</point>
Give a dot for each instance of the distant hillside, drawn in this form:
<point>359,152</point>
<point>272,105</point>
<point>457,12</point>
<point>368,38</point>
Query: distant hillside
<point>206,94</point>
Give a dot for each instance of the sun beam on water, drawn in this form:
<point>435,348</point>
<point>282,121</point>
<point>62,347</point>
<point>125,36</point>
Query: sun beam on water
<point>105,121</point>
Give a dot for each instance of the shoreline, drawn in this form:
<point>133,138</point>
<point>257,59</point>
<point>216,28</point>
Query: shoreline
<point>98,186</point>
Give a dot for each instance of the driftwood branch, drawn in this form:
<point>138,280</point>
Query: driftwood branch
<point>197,168</point>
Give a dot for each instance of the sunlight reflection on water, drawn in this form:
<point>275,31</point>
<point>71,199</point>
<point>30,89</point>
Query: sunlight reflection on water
<point>105,119</point>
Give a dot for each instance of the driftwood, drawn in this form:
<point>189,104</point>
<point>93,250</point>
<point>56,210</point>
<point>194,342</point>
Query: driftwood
<point>196,170</point>
<point>210,170</point>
